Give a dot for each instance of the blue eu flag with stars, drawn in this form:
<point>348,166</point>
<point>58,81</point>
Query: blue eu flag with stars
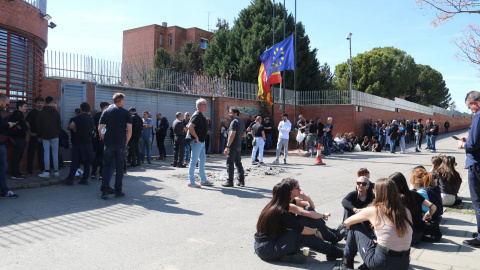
<point>279,57</point>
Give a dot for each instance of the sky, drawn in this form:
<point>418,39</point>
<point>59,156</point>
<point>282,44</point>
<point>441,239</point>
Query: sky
<point>95,28</point>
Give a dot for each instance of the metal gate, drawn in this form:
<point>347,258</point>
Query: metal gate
<point>153,101</point>
<point>73,94</point>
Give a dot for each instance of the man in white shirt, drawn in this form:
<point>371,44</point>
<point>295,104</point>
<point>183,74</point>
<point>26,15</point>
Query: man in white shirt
<point>284,128</point>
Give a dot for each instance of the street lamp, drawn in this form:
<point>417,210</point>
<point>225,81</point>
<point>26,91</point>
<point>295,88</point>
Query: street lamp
<point>349,37</point>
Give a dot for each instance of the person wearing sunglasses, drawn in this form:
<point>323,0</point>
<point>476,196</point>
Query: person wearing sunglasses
<point>392,223</point>
<point>356,200</point>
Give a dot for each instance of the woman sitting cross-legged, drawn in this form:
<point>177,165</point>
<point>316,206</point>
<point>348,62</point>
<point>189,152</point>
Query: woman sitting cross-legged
<point>392,225</point>
<point>279,235</point>
<point>303,207</point>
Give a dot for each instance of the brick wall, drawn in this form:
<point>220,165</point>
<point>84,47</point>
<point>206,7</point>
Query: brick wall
<point>24,19</point>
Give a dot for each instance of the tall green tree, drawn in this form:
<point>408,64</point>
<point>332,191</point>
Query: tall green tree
<point>238,50</point>
<point>188,59</point>
<point>386,72</point>
<point>162,59</point>
<point>430,88</point>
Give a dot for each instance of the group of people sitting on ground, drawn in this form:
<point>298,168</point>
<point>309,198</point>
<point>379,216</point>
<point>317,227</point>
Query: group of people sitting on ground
<point>381,220</point>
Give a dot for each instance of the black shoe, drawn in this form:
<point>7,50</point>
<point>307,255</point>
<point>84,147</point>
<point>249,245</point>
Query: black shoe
<point>104,195</point>
<point>67,182</point>
<point>334,253</point>
<point>475,234</point>
<point>93,176</point>
<point>241,184</point>
<point>83,182</point>
<point>100,178</point>
<point>119,195</point>
<point>347,263</point>
<point>416,150</point>
<point>110,190</point>
<point>149,162</point>
<point>457,202</point>
<point>297,258</point>
<point>181,166</point>
<point>227,184</point>
<point>174,164</point>
<point>474,243</point>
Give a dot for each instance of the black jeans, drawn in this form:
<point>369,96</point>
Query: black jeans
<point>234,158</point>
<point>35,146</point>
<point>133,151</point>
<point>98,160</point>
<point>81,154</point>
<point>17,154</point>
<point>162,153</point>
<point>179,149</point>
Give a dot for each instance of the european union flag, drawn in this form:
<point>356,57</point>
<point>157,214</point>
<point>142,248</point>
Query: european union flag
<point>279,57</point>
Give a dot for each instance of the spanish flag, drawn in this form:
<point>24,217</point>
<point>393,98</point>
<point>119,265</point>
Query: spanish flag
<point>264,90</point>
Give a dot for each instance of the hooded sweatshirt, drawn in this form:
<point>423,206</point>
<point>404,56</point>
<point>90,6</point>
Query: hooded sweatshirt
<point>49,123</point>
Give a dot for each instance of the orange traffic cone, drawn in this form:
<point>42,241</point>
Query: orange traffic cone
<point>319,161</point>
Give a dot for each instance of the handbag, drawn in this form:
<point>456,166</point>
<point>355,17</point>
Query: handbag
<point>254,142</point>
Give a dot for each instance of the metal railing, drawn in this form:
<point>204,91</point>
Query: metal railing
<point>40,4</point>
<point>66,65</point>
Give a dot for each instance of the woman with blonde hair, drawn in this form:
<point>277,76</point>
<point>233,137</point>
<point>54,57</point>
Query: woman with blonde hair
<point>392,224</point>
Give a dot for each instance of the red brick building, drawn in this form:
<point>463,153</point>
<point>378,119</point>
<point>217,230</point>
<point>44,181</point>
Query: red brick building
<point>23,39</point>
<point>140,44</point>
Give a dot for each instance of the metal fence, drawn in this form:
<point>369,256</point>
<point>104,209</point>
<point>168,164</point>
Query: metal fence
<point>40,4</point>
<point>67,65</point>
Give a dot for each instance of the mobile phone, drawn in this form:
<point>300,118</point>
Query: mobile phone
<point>455,137</point>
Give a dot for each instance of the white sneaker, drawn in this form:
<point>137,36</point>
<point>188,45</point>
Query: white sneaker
<point>56,174</point>
<point>44,175</point>
<point>275,162</point>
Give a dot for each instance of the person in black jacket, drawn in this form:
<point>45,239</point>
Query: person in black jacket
<point>4,126</point>
<point>18,134</point>
<point>133,148</point>
<point>98,144</point>
<point>33,145</point>
<point>161,132</point>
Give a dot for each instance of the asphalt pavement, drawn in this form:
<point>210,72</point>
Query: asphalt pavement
<point>163,224</point>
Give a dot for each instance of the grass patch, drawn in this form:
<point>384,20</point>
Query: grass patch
<point>463,211</point>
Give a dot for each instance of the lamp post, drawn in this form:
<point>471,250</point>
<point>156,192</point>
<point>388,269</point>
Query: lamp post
<point>349,37</point>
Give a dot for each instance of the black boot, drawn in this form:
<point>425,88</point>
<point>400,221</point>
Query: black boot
<point>334,253</point>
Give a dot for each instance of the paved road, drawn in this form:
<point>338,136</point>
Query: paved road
<point>163,224</point>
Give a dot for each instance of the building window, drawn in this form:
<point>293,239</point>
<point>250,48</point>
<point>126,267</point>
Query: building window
<point>170,40</point>
<point>21,66</point>
<point>161,39</point>
<point>203,43</point>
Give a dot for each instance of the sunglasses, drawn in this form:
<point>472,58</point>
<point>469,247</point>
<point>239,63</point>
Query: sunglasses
<point>296,188</point>
<point>362,183</point>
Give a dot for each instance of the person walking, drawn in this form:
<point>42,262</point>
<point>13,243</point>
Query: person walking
<point>471,143</point>
<point>284,128</point>
<point>198,128</point>
<point>258,133</point>
<point>49,126</point>
<point>118,123</point>
<point>234,148</point>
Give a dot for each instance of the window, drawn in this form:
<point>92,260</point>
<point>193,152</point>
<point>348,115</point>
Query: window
<point>203,43</point>
<point>161,39</point>
<point>170,40</point>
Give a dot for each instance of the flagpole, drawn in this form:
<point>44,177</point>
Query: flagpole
<point>283,71</point>
<point>295,66</point>
<point>273,89</point>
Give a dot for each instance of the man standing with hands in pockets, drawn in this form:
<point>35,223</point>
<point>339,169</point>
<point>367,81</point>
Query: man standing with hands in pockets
<point>234,148</point>
<point>198,130</point>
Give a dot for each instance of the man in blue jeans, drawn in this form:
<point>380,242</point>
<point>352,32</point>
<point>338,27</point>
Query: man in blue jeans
<point>472,149</point>
<point>118,123</point>
<point>146,138</point>
<point>198,128</point>
<point>4,126</point>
